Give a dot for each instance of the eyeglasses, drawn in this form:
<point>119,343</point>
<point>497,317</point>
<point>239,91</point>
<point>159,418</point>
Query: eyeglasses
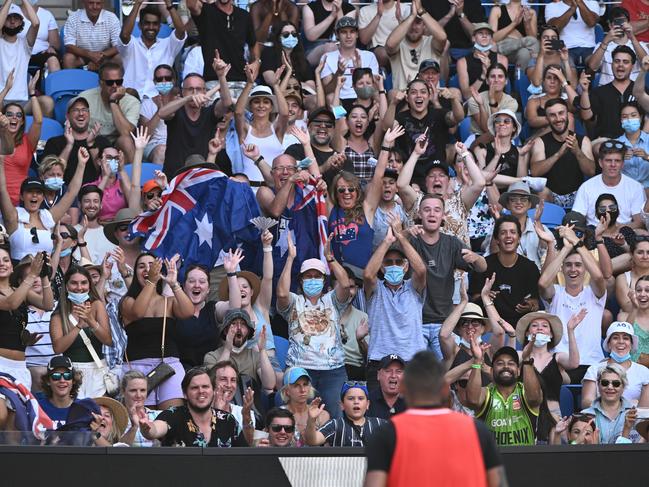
<point>61,375</point>
<point>471,323</point>
<point>283,169</point>
<point>606,383</point>
<point>159,79</point>
<point>276,428</point>
<point>345,190</point>
<point>612,144</point>
<point>413,56</point>
<point>18,115</point>
<point>604,208</point>
<point>122,227</point>
<point>285,35</point>
<point>323,123</point>
<point>503,120</point>
<point>153,194</point>
<point>34,234</point>
<point>519,199</point>
<point>113,82</point>
<point>79,110</point>
<point>398,262</point>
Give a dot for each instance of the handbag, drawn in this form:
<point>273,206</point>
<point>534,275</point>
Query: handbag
<point>162,371</point>
<point>111,381</point>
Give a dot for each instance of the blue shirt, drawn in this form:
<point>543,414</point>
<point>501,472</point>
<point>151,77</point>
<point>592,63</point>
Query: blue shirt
<point>636,167</point>
<point>611,429</point>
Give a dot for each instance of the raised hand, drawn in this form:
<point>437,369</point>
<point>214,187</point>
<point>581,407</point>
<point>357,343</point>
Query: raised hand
<point>292,252</point>
<point>543,234</point>
<point>393,133</point>
<point>577,318</point>
<point>363,329</point>
<point>220,67</point>
<point>160,179</point>
<point>300,134</point>
<point>251,151</point>
<point>141,137</point>
<point>83,155</point>
<point>261,341</point>
<point>36,265</point>
<point>421,145</point>
<point>9,83</point>
<point>266,238</point>
<point>320,67</point>
<point>602,225</point>
<point>93,132</point>
<point>487,288</point>
<point>33,81</point>
<point>215,145</point>
<point>527,350</point>
<point>252,72</point>
<point>172,270</point>
<point>231,260</point>
<point>315,408</point>
<point>106,266</point>
<point>67,133</point>
<point>469,256</point>
<point>327,248</point>
<point>154,271</point>
<point>229,338</point>
<point>278,73</point>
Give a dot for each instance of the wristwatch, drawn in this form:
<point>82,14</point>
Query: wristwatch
<point>461,15</point>
<point>529,361</point>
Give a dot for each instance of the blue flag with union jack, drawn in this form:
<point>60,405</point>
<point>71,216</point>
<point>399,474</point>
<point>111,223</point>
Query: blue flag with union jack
<point>202,213</point>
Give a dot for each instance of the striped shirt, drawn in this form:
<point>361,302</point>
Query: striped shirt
<point>39,354</point>
<point>81,32</point>
<point>342,432</point>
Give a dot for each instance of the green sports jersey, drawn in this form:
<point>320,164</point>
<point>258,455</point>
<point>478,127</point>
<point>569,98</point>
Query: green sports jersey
<point>511,420</point>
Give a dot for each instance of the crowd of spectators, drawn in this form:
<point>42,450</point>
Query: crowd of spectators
<point>482,173</point>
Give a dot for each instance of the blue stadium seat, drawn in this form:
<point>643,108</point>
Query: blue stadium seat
<point>50,127</point>
<point>570,399</point>
<point>465,128</point>
<point>148,171</point>
<point>281,349</point>
<point>66,84</point>
<point>599,33</point>
<point>552,215</point>
<point>454,82</point>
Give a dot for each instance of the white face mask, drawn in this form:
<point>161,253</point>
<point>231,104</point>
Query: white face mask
<point>541,339</point>
<point>461,341</point>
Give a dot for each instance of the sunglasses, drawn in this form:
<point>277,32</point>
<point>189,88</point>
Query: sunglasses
<point>18,115</point>
<point>276,428</point>
<point>123,227</point>
<point>287,169</point>
<point>34,234</point>
<point>65,235</point>
<point>286,35</point>
<point>579,233</point>
<point>471,323</point>
<point>114,82</point>
<point>503,120</point>
<point>604,208</point>
<point>413,56</point>
<point>612,144</point>
<point>61,375</point>
<point>398,262</point>
<point>159,79</point>
<point>519,199</point>
<point>606,383</point>
<point>153,194</point>
<point>354,383</point>
<point>345,190</point>
<point>323,123</point>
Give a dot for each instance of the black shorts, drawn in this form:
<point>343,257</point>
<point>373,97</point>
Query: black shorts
<point>41,58</point>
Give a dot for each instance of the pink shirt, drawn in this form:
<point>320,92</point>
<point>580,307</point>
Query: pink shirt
<point>112,202</point>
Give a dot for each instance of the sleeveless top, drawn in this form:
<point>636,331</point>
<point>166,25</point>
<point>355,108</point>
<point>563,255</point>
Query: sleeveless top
<point>11,326</point>
<point>196,336</point>
<point>551,379</point>
<point>505,20</point>
<point>32,240</point>
<point>260,321</point>
<point>643,342</point>
<point>363,169</point>
<point>565,176</point>
<point>270,147</point>
<point>474,68</point>
<point>145,335</point>
<point>319,14</point>
<point>508,160</point>
<point>352,242</point>
<point>78,352</point>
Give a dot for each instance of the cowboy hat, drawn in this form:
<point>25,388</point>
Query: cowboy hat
<point>517,189</point>
<point>125,215</point>
<point>117,409</point>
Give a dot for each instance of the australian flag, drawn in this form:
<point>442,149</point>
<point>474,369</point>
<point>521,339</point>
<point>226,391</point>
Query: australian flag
<point>202,213</point>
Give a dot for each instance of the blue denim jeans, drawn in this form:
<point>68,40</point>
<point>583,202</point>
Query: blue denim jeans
<point>328,383</point>
<point>431,335</point>
<point>579,55</point>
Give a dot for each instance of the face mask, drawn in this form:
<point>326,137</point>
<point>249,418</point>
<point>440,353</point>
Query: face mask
<point>365,92</point>
<point>114,165</point>
<point>164,87</point>
<point>54,183</point>
<point>534,90</point>
<point>461,341</point>
<point>312,287</point>
<point>620,358</point>
<point>66,252</point>
<point>13,31</point>
<point>480,48</point>
<point>289,42</point>
<point>78,298</point>
<point>631,124</point>
<point>541,339</point>
<point>339,111</point>
<point>394,274</point>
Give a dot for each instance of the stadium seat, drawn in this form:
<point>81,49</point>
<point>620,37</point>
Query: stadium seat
<point>454,82</point>
<point>599,33</point>
<point>148,171</point>
<point>66,84</point>
<point>465,128</point>
<point>281,349</point>
<point>570,399</point>
<point>552,215</point>
<point>50,128</point>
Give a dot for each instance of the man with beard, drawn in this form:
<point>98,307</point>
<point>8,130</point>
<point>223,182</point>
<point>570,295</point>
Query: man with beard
<point>509,407</point>
<point>514,292</point>
<point>561,156</point>
<point>321,128</point>
<point>77,134</point>
<point>417,38</point>
<point>235,331</point>
<point>574,260</point>
<point>197,423</point>
<point>141,54</point>
<point>387,401</point>
<point>442,254</point>
<point>91,232</point>
<point>628,192</point>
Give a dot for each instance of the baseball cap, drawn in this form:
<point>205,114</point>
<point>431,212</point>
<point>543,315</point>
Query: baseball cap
<point>31,184</point>
<point>388,359</point>
<point>78,99</point>
<point>575,218</point>
<point>620,327</point>
<point>321,111</point>
<point>150,185</point>
<point>506,351</point>
<point>59,362</point>
<point>436,164</point>
<point>346,22</point>
<point>429,64</point>
<point>316,264</point>
<point>294,374</point>
<point>352,384</point>
<point>482,25</point>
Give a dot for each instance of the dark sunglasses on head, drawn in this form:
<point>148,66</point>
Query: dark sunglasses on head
<point>34,234</point>
<point>346,190</point>
<point>606,383</point>
<point>159,79</point>
<point>393,262</point>
<point>354,383</point>
<point>276,428</point>
<point>151,195</point>
<point>61,375</point>
<point>285,35</point>
<point>18,115</point>
<point>114,82</point>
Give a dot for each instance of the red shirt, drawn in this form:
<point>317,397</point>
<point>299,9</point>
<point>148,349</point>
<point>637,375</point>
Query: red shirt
<point>635,7</point>
<point>17,168</point>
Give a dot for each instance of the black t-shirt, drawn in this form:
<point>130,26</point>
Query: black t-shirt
<point>185,433</point>
<point>565,176</point>
<point>473,10</point>
<point>186,137</point>
<point>606,101</point>
<point>297,151</point>
<point>512,283</point>
<point>271,59</point>
<point>227,33</point>
<point>197,336</point>
<point>319,14</point>
<point>380,409</point>
<point>55,145</point>
<point>379,448</point>
<point>435,122</point>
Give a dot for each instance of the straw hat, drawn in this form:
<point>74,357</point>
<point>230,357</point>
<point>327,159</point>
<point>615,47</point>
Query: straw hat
<point>473,311</point>
<point>555,325</point>
<point>117,409</point>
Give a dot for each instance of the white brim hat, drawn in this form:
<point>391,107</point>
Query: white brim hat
<point>491,122</point>
<point>262,91</point>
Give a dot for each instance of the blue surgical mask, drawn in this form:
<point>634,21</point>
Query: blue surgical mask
<point>394,274</point>
<point>620,358</point>
<point>312,287</point>
<point>66,252</point>
<point>78,298</point>
<point>631,124</point>
<point>480,48</point>
<point>339,111</point>
<point>54,183</point>
<point>164,87</point>
<point>534,90</point>
<point>541,339</point>
<point>289,42</point>
<point>114,165</point>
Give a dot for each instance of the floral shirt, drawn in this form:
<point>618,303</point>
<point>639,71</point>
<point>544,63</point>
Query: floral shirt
<point>184,432</point>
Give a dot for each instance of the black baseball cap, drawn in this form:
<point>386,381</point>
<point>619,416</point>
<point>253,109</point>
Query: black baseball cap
<point>575,218</point>
<point>506,351</point>
<point>59,362</point>
<point>388,359</point>
<point>321,111</point>
<point>428,64</point>
<point>437,164</point>
<point>90,188</point>
<point>32,183</point>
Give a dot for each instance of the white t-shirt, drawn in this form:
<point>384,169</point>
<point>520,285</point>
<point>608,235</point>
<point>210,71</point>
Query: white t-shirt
<point>588,333</point>
<point>47,23</point>
<point>147,111</point>
<point>368,60</point>
<point>98,244</point>
<point>607,61</point>
<point>15,55</point>
<point>194,62</point>
<point>628,192</point>
<point>637,375</point>
<point>576,33</point>
<point>387,23</point>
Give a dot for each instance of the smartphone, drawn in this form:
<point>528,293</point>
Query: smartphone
<point>557,44</point>
<point>619,21</point>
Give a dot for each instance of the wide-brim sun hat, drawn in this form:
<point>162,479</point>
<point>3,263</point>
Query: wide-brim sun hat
<point>125,215</point>
<point>491,124</point>
<point>117,409</point>
<point>519,188</point>
<point>262,91</point>
<point>252,278</point>
<point>473,311</point>
<point>555,325</point>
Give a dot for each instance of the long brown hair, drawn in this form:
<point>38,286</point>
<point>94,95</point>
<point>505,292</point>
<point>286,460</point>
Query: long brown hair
<point>356,214</point>
<point>64,306</point>
<point>18,138</point>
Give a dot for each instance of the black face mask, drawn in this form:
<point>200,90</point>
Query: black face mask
<point>13,31</point>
